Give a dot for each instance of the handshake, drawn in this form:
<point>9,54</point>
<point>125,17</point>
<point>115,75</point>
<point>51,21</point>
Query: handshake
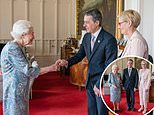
<point>54,67</point>
<point>61,63</point>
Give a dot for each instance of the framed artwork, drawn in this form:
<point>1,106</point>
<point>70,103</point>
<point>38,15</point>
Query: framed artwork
<point>110,9</point>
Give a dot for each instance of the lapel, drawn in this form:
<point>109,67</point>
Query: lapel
<point>89,45</point>
<point>97,43</point>
<point>127,73</point>
<point>131,72</point>
<point>23,51</point>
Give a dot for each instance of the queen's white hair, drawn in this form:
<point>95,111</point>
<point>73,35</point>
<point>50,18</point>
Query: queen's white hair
<point>19,28</point>
<point>114,67</point>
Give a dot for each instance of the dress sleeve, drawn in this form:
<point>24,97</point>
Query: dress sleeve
<point>138,48</point>
<point>109,80</point>
<point>20,63</point>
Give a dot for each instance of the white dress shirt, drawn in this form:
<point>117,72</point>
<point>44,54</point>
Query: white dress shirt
<point>96,34</point>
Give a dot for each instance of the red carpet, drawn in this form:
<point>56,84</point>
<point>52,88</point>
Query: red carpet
<point>54,95</point>
<point>123,104</point>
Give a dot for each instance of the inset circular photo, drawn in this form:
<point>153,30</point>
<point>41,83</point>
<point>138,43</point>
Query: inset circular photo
<point>127,86</point>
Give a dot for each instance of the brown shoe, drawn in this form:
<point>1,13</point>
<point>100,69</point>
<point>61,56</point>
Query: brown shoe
<point>118,111</point>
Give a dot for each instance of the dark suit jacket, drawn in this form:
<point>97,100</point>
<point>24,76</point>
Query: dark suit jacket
<point>104,52</point>
<point>130,81</point>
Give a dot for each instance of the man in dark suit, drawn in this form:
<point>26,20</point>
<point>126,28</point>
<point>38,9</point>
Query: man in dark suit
<point>130,83</point>
<point>100,48</point>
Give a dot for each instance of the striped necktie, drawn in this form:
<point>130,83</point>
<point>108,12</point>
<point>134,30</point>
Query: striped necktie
<point>129,71</point>
<point>92,42</point>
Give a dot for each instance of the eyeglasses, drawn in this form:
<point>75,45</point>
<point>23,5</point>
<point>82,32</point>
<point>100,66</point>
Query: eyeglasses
<point>119,23</point>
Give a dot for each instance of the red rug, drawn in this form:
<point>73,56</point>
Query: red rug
<point>123,104</point>
<point>54,95</point>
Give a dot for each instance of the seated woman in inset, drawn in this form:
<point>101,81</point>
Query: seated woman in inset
<point>114,82</point>
<point>144,86</point>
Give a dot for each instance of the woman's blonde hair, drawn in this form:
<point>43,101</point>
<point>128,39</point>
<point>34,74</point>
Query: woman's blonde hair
<point>143,62</point>
<point>131,15</point>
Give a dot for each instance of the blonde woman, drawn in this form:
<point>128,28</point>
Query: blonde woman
<point>129,20</point>
<point>144,85</point>
<point>114,82</point>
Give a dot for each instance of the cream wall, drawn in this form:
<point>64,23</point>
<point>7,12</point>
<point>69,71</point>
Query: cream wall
<point>53,21</point>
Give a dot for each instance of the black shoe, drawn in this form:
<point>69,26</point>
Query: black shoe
<point>128,109</point>
<point>133,109</point>
<point>115,111</point>
<point>118,111</point>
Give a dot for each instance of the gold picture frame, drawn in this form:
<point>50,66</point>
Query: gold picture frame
<point>111,17</point>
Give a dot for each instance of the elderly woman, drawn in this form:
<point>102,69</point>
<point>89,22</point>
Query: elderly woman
<point>144,86</point>
<point>17,71</point>
<point>136,45</point>
<point>114,82</point>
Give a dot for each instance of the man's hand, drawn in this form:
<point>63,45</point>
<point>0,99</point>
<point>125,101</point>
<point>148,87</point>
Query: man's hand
<point>135,89</point>
<point>97,91</point>
<point>123,88</point>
